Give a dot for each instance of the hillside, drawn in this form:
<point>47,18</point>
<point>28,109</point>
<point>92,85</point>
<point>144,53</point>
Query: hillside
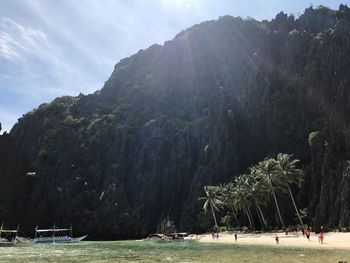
<point>195,111</point>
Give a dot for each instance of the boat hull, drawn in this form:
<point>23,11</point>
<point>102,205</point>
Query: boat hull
<point>78,239</point>
<point>58,240</point>
<point>23,242</point>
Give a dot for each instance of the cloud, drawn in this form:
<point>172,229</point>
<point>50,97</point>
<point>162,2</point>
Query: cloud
<point>81,28</point>
<point>34,68</point>
<point>33,58</point>
<point>7,44</point>
<point>16,41</point>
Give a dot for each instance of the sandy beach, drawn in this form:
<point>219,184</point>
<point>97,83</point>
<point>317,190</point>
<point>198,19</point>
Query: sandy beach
<point>331,240</point>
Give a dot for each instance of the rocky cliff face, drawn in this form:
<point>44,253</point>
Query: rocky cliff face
<point>198,110</point>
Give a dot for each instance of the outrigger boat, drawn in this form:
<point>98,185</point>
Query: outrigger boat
<point>10,237</point>
<point>55,235</point>
<point>169,237</point>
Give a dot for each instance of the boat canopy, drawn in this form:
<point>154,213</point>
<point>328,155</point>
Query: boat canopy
<point>8,231</point>
<point>53,229</point>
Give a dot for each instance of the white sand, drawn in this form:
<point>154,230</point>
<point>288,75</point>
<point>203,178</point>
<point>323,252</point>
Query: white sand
<point>331,240</point>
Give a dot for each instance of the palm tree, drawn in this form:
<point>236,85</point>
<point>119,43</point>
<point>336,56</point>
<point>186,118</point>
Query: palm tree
<point>267,169</point>
<point>211,200</point>
<point>259,189</point>
<point>227,191</point>
<point>242,196</point>
<point>288,174</point>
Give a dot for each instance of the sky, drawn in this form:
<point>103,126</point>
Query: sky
<point>51,48</point>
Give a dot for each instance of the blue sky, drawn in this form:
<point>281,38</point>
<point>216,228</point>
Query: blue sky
<point>50,48</point>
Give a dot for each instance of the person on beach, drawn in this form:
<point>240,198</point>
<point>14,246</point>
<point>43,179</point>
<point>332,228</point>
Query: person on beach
<point>307,233</point>
<point>277,239</point>
<point>303,231</point>
<point>320,238</point>
<point>235,237</point>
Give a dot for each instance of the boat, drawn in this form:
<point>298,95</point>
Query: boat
<point>10,238</point>
<point>23,241</point>
<point>178,236</point>
<point>172,237</point>
<point>55,235</point>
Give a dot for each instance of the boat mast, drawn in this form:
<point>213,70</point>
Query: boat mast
<point>2,224</point>
<point>54,226</point>
<point>71,231</point>
<point>16,234</point>
<point>36,229</point>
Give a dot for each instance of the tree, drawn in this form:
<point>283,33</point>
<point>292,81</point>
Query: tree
<point>242,196</point>
<point>227,192</point>
<point>267,169</point>
<point>211,200</point>
<point>288,174</point>
<point>259,188</point>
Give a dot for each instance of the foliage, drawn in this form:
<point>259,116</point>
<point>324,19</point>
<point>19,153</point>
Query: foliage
<point>251,190</point>
<point>312,137</point>
<point>212,201</point>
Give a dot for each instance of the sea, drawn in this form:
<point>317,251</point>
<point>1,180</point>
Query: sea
<point>153,251</point>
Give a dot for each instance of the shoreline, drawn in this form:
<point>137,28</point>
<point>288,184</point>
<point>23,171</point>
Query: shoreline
<point>332,240</point>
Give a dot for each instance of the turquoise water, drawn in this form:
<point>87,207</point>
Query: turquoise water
<point>150,251</point>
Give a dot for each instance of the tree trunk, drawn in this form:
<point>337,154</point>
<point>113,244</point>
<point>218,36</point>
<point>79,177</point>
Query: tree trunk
<point>251,217</point>
<point>212,211</point>
<point>235,215</point>
<point>262,216</point>
<point>295,206</point>
<point>259,217</point>
<point>276,203</point>
<point>250,221</point>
